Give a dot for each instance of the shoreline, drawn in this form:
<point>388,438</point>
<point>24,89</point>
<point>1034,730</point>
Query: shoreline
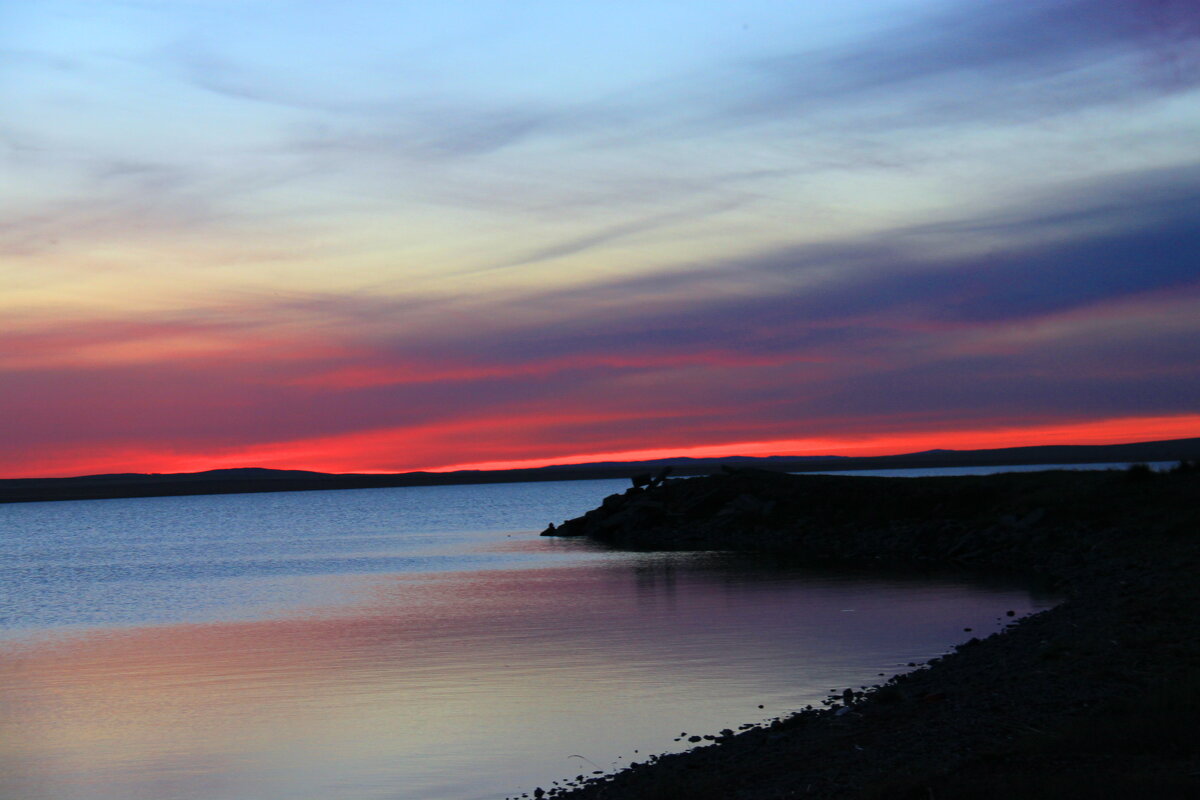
<point>1095,697</point>
<point>244,480</point>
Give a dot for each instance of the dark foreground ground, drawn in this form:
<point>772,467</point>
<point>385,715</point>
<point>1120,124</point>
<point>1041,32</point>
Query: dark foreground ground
<point>1098,697</point>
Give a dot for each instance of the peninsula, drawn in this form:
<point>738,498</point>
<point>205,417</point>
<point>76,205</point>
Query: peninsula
<point>1096,697</point>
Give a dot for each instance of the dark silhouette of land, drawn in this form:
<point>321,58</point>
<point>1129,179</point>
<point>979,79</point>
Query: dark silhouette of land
<point>253,479</point>
<point>1095,698</point>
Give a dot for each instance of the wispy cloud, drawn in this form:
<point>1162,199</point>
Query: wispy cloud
<point>838,336</point>
<point>991,61</point>
<point>230,232</point>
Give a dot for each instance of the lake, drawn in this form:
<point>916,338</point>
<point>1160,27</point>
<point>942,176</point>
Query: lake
<point>417,643</point>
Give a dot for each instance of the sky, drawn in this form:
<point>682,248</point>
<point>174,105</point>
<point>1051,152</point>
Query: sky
<point>388,236</point>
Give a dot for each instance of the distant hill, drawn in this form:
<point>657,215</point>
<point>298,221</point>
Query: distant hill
<point>686,461</point>
<point>1164,450</point>
<point>257,479</point>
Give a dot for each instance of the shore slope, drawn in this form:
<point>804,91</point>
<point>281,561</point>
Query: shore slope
<point>1097,697</point>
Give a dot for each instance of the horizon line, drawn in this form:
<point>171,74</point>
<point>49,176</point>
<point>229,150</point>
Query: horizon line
<point>614,458</point>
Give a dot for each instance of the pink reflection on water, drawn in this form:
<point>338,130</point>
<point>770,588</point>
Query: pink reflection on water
<point>457,686</point>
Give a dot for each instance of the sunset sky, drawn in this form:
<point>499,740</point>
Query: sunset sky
<point>385,236</point>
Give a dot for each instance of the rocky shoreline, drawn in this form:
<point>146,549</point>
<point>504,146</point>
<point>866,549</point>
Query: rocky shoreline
<point>1097,697</point>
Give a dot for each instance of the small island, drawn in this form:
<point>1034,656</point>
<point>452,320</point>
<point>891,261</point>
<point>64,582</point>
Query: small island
<point>1096,697</point>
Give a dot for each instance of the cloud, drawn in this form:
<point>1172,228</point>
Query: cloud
<point>617,232</point>
<point>1065,254</point>
<point>989,61</point>
<point>1080,319</point>
<point>357,118</point>
<point>1025,385</point>
<point>801,301</point>
<point>1014,294</point>
<point>125,198</point>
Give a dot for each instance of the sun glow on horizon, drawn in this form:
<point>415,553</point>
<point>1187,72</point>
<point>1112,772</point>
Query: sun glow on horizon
<point>343,455</point>
<point>1114,431</point>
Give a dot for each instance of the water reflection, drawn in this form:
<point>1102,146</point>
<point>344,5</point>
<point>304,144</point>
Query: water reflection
<point>460,685</point>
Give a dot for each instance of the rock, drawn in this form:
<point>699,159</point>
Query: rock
<point>1032,518</point>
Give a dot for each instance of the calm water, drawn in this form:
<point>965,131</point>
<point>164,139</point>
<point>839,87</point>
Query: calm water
<point>418,643</point>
